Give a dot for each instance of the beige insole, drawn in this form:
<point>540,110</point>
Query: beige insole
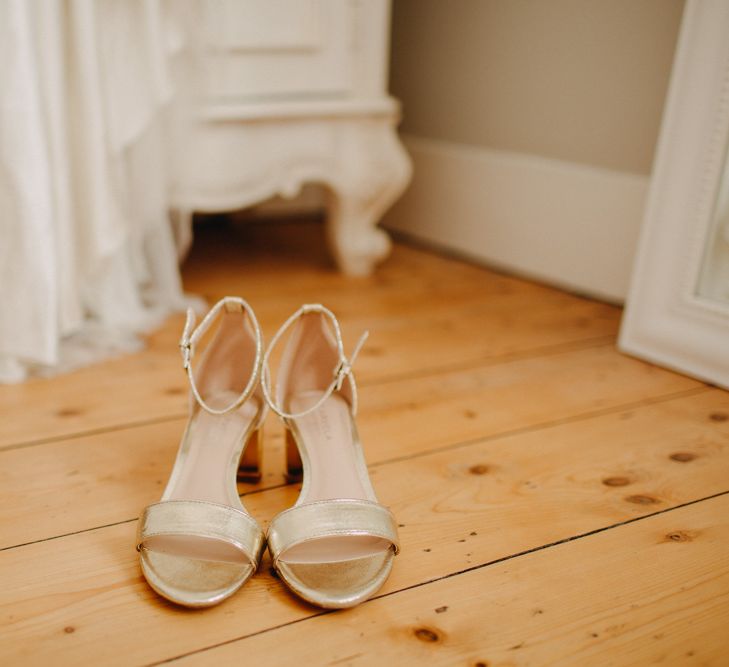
<point>213,444</point>
<point>336,470</point>
<point>207,472</point>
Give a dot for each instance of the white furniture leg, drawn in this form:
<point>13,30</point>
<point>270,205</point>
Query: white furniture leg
<point>224,166</point>
<point>372,171</point>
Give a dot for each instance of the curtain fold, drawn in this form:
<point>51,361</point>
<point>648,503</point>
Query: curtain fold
<point>88,259</point>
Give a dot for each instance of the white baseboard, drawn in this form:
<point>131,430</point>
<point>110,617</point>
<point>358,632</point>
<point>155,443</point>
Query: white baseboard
<point>568,224</point>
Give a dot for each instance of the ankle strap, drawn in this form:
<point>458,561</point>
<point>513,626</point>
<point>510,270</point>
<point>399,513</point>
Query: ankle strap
<point>342,371</point>
<point>190,339</point>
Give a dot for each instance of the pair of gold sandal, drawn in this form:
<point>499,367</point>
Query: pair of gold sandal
<point>335,546</point>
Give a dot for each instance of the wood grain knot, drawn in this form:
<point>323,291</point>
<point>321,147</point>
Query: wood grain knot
<point>69,629</point>
<point>442,609</point>
<point>69,412</point>
<point>679,536</point>
<point>470,414</point>
<point>682,457</point>
<point>174,391</point>
<point>426,635</point>
<point>616,481</point>
<point>479,469</point>
<point>480,663</point>
<point>718,416</point>
<point>640,499</point>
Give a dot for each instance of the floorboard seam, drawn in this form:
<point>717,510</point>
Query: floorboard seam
<point>122,521</point>
<point>486,362</point>
<point>496,561</point>
<point>583,416</point>
<point>75,532</point>
<point>97,431</point>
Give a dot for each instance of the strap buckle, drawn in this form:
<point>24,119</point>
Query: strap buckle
<point>186,339</point>
<point>342,370</point>
<point>190,335</point>
<point>186,351</point>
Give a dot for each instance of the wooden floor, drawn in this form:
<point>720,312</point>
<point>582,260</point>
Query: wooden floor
<point>559,502</point>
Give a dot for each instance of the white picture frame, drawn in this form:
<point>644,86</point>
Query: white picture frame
<point>666,321</point>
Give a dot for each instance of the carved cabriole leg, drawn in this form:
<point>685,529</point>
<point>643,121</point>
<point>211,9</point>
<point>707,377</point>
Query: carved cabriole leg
<point>372,171</point>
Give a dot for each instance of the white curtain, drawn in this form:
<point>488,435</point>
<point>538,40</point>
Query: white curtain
<point>88,256</point>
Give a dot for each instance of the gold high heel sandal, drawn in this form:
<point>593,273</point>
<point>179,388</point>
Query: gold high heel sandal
<point>335,546</point>
<point>199,545</point>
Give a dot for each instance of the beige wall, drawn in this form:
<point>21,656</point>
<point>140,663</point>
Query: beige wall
<point>577,80</point>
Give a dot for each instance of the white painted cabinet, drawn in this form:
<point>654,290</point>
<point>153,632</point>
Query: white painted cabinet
<point>292,92</point>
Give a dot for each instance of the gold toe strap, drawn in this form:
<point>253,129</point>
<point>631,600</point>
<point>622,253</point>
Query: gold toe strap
<point>330,518</point>
<point>197,518</point>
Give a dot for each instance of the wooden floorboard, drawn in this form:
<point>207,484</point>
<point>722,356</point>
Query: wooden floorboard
<point>508,491</point>
<point>560,503</point>
<point>668,606</point>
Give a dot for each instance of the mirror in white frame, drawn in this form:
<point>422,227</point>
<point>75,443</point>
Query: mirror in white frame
<point>677,311</point>
<point>714,277</point>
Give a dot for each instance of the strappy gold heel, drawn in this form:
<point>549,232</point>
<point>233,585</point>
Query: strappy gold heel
<point>335,546</point>
<point>198,544</point>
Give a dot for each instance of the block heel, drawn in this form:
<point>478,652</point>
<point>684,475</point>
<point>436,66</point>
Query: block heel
<point>249,468</point>
<point>294,464</point>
